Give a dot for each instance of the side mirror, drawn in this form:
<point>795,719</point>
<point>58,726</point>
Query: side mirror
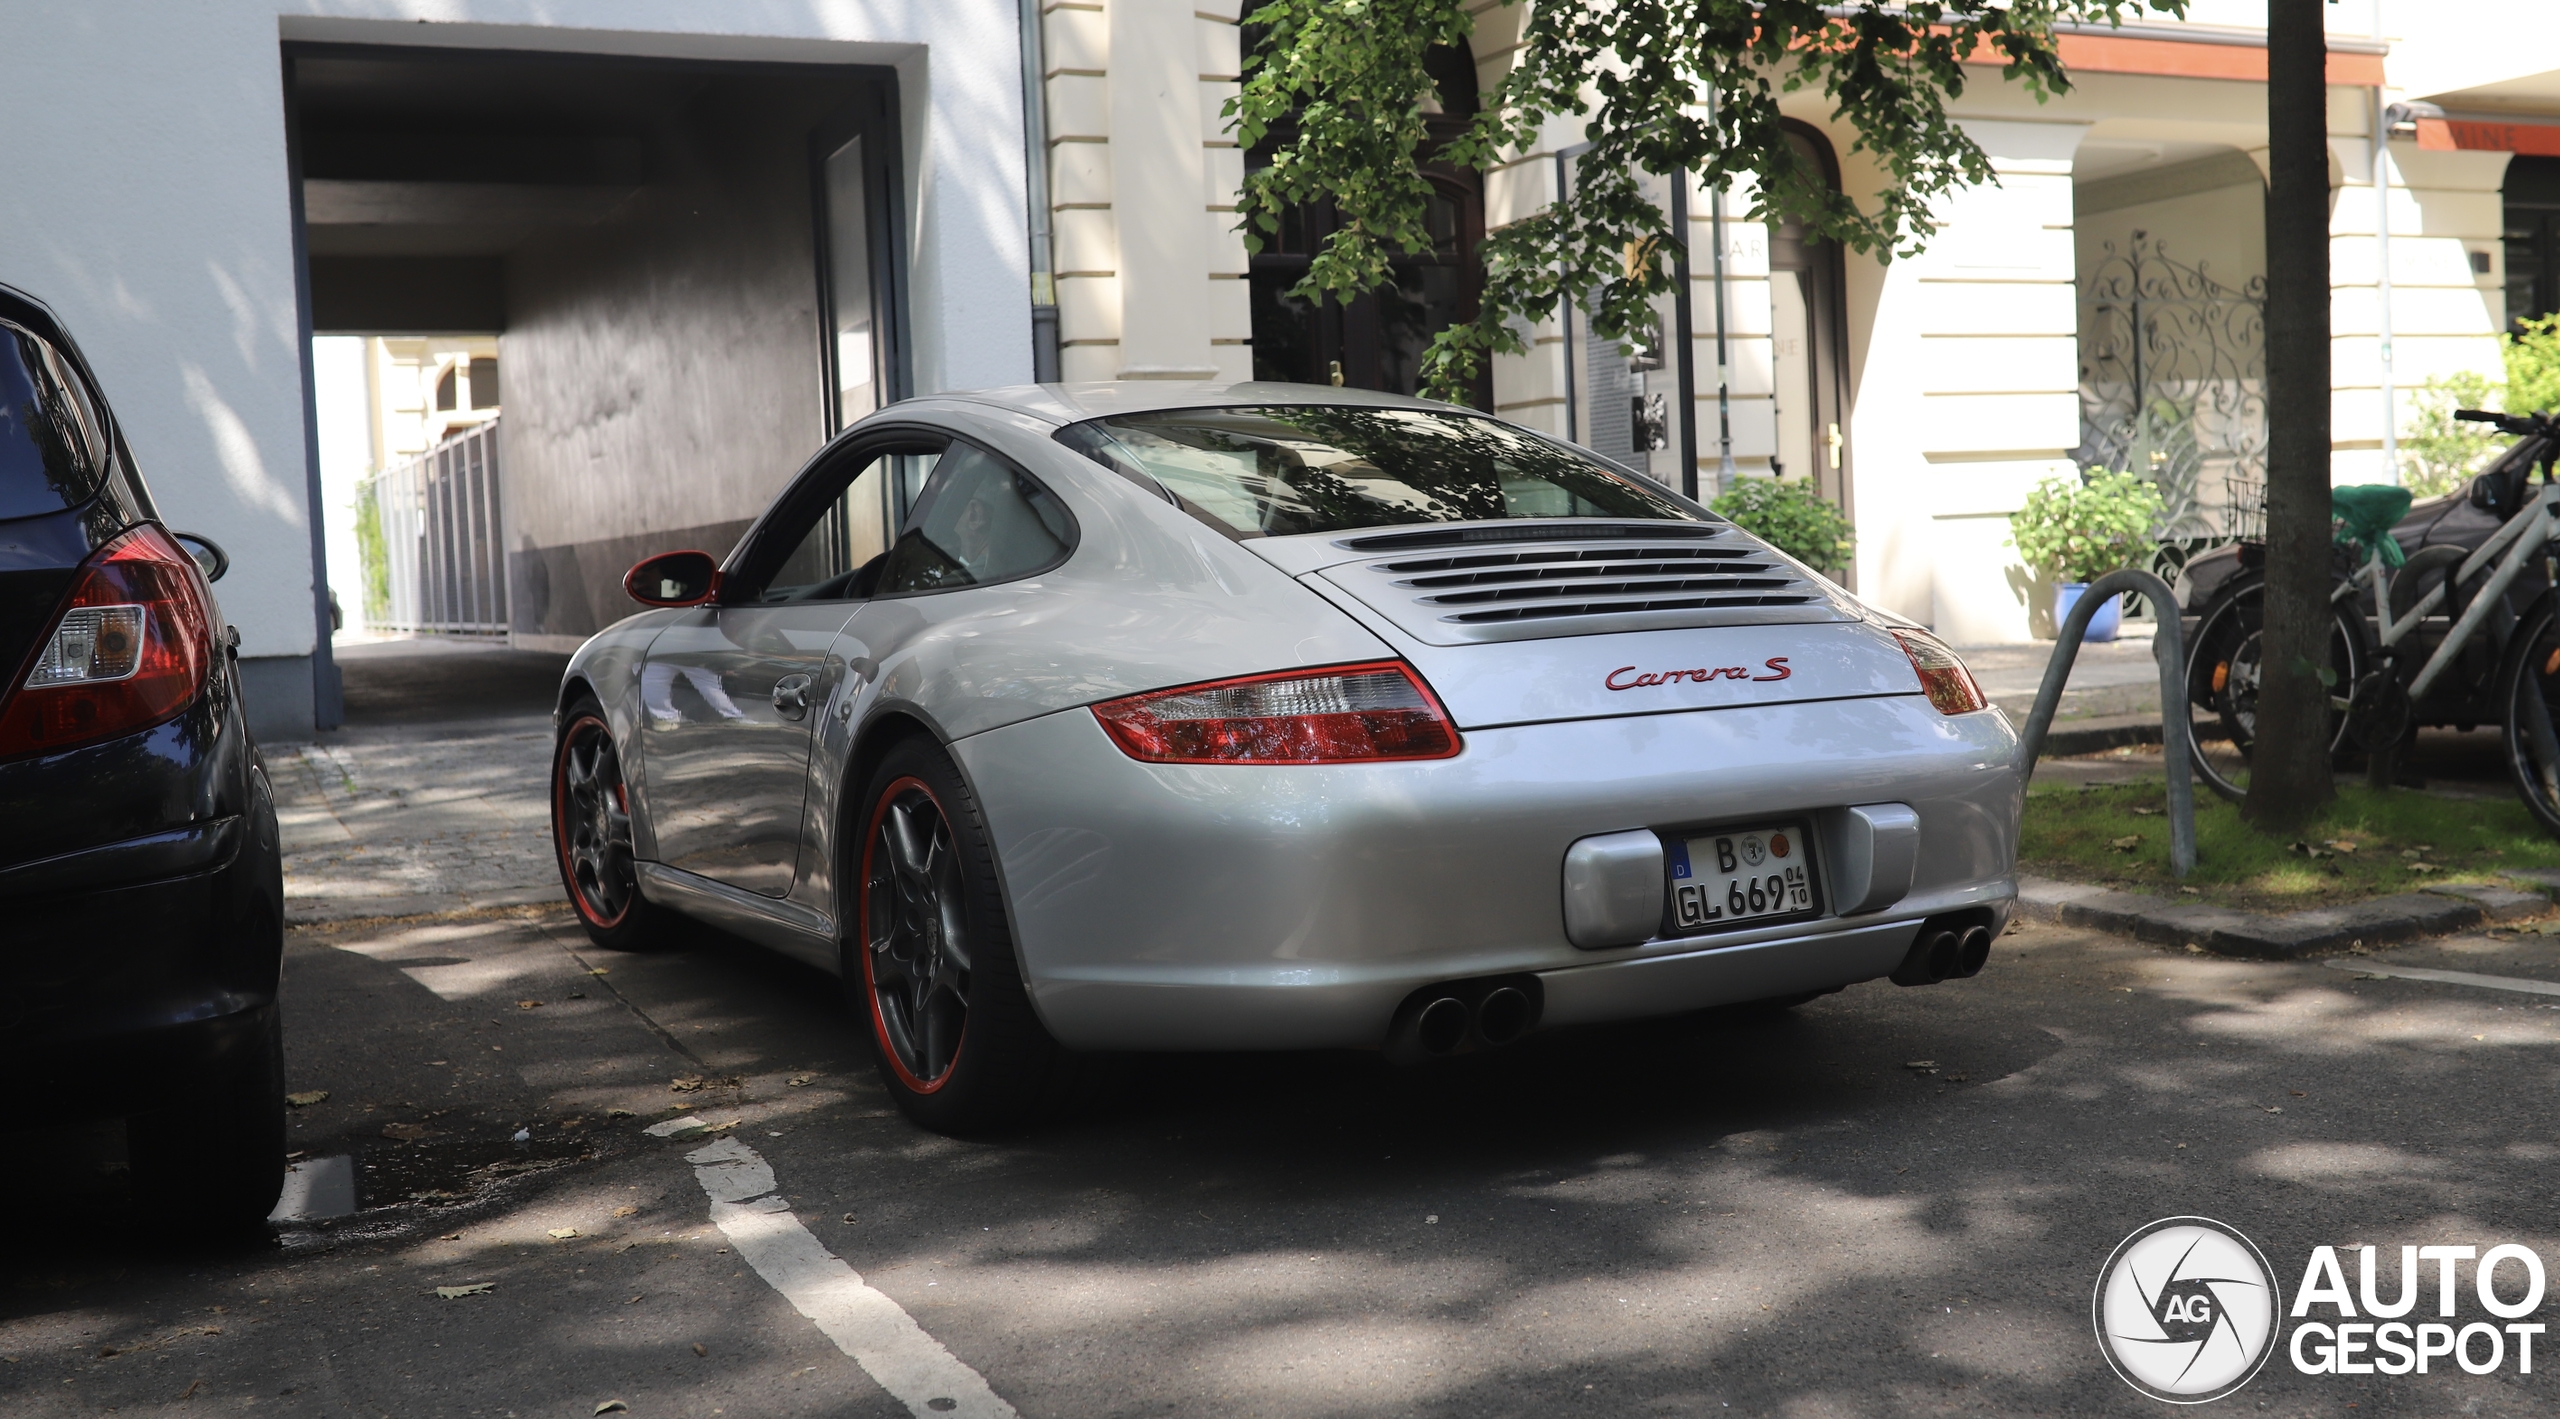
<point>673,579</point>
<point>208,553</point>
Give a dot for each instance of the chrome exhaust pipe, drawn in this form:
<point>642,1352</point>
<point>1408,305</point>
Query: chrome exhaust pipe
<point>1442,1026</point>
<point>1973,951</point>
<point>1950,947</point>
<point>1932,957</point>
<point>1504,1015</point>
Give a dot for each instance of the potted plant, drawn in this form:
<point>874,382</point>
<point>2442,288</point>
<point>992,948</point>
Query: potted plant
<point>1792,517</point>
<point>2074,530</point>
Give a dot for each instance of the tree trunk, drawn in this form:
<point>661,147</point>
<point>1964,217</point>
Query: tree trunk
<point>2289,764</point>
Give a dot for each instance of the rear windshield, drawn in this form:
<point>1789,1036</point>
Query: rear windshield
<point>52,451</point>
<point>1281,470</point>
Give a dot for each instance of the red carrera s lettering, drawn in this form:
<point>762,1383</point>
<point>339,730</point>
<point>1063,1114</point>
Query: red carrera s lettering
<point>1777,665</point>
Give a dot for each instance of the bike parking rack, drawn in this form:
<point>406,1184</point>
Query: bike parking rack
<point>2177,732</point>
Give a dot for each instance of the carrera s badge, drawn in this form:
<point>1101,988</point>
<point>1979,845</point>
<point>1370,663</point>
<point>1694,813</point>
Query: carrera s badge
<point>1617,678</point>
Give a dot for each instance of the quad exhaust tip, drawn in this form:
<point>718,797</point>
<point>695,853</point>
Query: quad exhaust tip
<point>1457,1017</point>
<point>1952,947</point>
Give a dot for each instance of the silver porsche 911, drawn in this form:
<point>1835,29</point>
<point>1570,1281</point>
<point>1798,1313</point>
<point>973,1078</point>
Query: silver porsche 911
<point>1183,717</point>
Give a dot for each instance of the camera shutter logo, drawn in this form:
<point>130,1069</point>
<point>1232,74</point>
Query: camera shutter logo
<point>2186,1309</point>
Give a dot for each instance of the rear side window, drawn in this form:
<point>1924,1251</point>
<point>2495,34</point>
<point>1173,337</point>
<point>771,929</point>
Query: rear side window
<point>978,520</point>
<point>52,444</point>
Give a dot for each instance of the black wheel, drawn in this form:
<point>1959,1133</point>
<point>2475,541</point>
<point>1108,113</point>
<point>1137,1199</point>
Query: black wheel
<point>211,1162</point>
<point>2528,696</point>
<point>934,972</point>
<point>591,826</point>
<point>2224,670</point>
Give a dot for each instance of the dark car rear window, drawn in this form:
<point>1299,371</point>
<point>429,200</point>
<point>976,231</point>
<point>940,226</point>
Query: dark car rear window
<point>52,448</point>
<point>1279,470</point>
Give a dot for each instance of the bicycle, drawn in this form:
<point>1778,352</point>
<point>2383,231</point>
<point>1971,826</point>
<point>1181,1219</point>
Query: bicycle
<point>2380,621</point>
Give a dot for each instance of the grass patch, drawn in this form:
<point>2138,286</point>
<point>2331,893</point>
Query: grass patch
<point>2402,840</point>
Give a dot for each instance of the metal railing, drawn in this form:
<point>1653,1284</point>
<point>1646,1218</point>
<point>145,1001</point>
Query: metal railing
<point>2177,741</point>
<point>442,537</point>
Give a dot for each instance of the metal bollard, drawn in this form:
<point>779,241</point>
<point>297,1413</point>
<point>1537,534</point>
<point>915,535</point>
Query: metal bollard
<point>2177,741</point>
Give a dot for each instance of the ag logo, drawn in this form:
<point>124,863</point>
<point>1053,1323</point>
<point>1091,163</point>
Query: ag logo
<point>2186,1310</point>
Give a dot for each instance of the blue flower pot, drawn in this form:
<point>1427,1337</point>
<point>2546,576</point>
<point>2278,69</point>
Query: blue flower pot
<point>2103,625</point>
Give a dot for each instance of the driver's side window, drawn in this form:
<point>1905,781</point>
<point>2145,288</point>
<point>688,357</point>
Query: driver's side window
<point>838,555</point>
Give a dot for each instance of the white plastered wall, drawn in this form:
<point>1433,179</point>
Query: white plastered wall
<point>1143,184</point>
<point>148,202</point>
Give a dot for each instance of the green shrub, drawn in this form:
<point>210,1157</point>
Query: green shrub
<point>369,555</point>
<point>2438,455</point>
<point>1792,517</point>
<point>2077,530</point>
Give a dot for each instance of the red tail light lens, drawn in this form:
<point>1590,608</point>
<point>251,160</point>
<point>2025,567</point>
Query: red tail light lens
<point>131,648</point>
<point>1943,677</point>
<point>1342,714</point>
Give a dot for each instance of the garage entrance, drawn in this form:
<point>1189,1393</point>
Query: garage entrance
<point>692,274</point>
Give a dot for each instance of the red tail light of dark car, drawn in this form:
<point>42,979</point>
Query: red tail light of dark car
<point>131,648</point>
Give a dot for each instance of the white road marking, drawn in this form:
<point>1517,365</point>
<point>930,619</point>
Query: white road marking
<point>2514,983</point>
<point>880,1336</point>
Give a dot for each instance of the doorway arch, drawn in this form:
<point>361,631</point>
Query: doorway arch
<point>1809,339</point>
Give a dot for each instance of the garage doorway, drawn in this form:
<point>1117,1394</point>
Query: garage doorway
<point>692,274</point>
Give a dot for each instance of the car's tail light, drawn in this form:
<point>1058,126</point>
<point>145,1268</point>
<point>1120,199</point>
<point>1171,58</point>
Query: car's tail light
<point>131,648</point>
<point>1943,678</point>
<point>1338,715</point>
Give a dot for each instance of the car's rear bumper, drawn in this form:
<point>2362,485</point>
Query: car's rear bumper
<point>120,994</point>
<point>1176,907</point>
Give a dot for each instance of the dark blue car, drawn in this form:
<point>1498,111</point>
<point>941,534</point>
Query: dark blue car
<point>141,891</point>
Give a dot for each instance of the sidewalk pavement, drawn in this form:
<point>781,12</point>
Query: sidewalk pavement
<point>398,823</point>
<point>2109,678</point>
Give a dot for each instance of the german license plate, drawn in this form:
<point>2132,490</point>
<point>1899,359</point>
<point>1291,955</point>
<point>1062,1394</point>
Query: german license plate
<point>1738,875</point>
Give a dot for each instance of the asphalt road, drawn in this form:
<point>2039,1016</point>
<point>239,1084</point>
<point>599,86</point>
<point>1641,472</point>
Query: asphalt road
<point>1888,1201</point>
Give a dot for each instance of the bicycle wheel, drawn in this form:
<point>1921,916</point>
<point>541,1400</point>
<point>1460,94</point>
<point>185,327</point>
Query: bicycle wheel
<point>2225,671</point>
<point>2528,694</point>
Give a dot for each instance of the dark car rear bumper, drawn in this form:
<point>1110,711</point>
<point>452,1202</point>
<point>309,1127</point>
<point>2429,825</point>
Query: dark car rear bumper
<point>120,995</point>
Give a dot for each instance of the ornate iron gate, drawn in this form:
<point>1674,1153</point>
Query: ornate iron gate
<point>442,539</point>
<point>2173,387</point>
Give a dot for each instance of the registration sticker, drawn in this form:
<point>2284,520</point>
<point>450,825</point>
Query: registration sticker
<point>1738,875</point>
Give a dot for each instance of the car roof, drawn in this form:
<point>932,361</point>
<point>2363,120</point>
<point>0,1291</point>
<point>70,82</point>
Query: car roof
<point>1074,403</point>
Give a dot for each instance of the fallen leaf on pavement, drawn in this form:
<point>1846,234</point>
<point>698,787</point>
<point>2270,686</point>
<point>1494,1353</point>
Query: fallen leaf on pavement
<point>799,1080</point>
<point>305,1099</point>
<point>685,1083</point>
<point>613,1406</point>
<point>698,1350</point>
<point>1925,1066</point>
<point>626,1210</point>
<point>476,1288</point>
<point>597,971</point>
<point>406,1132</point>
<point>564,1233</point>
<point>620,1113</point>
<point>191,1391</point>
<point>528,1005</point>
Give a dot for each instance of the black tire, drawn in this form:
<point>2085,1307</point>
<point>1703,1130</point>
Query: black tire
<point>2528,692</point>
<point>2222,668</point>
<point>591,835</point>
<point>211,1162</point>
<point>929,954</point>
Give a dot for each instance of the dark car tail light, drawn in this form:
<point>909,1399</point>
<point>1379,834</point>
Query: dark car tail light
<point>1943,677</point>
<point>1340,714</point>
<point>131,647</point>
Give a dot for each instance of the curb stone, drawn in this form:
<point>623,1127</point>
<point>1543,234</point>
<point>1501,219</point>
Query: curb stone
<point>2255,936</point>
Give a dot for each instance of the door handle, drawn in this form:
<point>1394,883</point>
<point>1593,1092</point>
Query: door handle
<point>791,696</point>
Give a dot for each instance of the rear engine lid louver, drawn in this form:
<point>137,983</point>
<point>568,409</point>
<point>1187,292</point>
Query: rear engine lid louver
<point>1446,587</point>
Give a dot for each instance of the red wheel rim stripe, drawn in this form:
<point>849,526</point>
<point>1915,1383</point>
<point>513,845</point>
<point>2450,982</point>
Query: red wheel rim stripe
<point>559,825</point>
<point>871,988</point>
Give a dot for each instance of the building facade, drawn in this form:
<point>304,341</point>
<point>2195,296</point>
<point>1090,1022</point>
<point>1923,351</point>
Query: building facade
<point>699,239</point>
